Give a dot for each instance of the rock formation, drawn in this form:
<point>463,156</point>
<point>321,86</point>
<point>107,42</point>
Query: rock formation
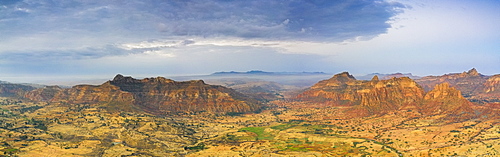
<point>473,85</point>
<point>467,82</point>
<point>489,92</point>
<point>383,96</point>
<point>154,95</point>
<point>444,99</point>
<point>375,96</point>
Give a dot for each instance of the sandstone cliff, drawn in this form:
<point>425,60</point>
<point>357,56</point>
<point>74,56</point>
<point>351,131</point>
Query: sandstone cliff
<point>473,85</point>
<point>375,96</point>
<point>154,95</point>
<point>444,99</point>
<point>466,82</point>
<point>489,92</point>
<point>165,95</point>
<point>383,96</point>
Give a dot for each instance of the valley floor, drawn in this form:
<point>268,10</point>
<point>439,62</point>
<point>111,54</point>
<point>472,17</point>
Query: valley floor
<point>285,129</point>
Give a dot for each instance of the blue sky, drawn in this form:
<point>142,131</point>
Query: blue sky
<point>85,39</point>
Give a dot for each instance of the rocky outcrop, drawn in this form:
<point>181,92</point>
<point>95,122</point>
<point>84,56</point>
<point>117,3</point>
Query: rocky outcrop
<point>165,95</point>
<point>375,96</point>
<point>489,92</point>
<point>474,86</point>
<point>492,85</point>
<point>383,96</point>
<point>467,82</point>
<point>444,99</point>
<point>154,95</point>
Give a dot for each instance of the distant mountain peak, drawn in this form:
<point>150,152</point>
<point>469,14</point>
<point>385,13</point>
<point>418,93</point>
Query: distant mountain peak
<point>473,72</point>
<point>344,75</point>
<point>259,72</point>
<point>121,78</point>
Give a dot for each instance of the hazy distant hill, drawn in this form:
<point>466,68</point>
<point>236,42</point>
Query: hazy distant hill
<point>387,76</point>
<point>262,85</point>
<point>8,89</point>
<point>299,79</point>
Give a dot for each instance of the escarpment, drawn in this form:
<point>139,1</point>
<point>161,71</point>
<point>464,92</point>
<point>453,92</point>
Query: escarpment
<point>384,96</point>
<point>153,95</point>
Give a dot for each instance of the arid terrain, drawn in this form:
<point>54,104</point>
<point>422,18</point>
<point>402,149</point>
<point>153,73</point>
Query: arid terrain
<point>448,115</point>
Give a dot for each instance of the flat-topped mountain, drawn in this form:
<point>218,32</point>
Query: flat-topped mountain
<point>153,95</point>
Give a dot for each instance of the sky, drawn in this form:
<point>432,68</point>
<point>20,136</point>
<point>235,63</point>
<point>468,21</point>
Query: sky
<point>85,39</point>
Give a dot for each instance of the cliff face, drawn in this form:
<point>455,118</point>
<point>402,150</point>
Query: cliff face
<point>492,85</point>
<point>154,95</point>
<point>382,96</point>
<point>165,95</point>
<point>444,99</point>
<point>467,82</point>
<point>474,86</point>
<point>489,92</point>
<point>375,96</point>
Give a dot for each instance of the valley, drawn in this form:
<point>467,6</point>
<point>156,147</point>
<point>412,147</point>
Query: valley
<point>341,116</point>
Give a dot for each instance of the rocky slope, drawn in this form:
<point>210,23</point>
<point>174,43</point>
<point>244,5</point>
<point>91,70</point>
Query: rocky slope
<point>473,85</point>
<point>444,99</point>
<point>383,96</point>
<point>153,95</point>
<point>489,92</point>
<point>14,90</point>
<point>467,82</point>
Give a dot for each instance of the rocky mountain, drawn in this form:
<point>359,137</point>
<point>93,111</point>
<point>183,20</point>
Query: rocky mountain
<point>444,99</point>
<point>153,95</point>
<point>383,96</point>
<point>489,92</point>
<point>467,82</point>
<point>474,86</point>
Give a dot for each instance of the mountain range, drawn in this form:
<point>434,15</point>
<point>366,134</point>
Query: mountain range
<point>389,115</point>
<point>158,96</point>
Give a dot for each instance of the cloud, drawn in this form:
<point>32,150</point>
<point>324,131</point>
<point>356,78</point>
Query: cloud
<point>63,54</point>
<point>49,31</point>
<point>263,19</point>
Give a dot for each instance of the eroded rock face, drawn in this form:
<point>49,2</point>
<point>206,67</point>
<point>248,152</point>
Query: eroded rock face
<point>154,95</point>
<point>444,99</point>
<point>467,82</point>
<point>375,96</point>
<point>474,86</point>
<point>492,85</point>
<point>165,95</point>
<point>383,96</point>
